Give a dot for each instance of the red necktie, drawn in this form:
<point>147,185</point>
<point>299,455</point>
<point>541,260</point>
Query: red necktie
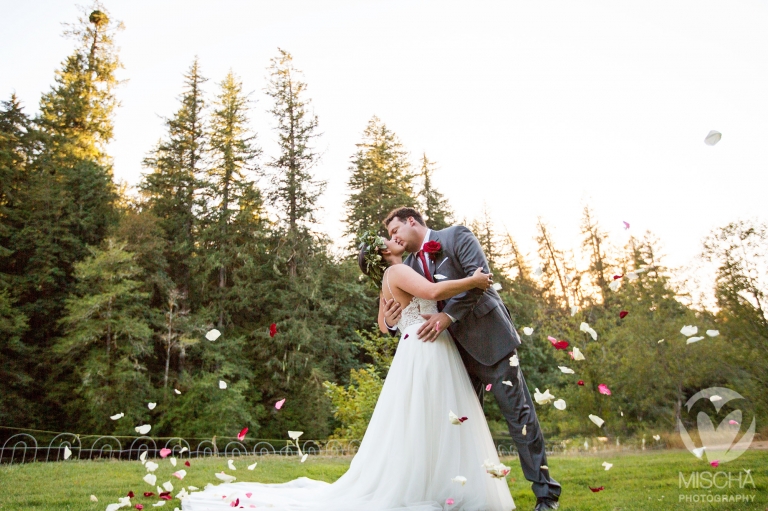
<point>426,268</point>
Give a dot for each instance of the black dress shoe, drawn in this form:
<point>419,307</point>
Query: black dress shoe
<point>544,503</point>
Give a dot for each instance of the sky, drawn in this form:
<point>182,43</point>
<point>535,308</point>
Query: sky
<point>529,108</point>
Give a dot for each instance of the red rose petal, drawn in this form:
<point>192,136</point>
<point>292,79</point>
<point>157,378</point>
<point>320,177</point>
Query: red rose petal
<point>406,336</point>
<point>623,314</point>
<point>462,419</point>
<point>580,382</point>
<point>187,464</point>
<point>241,435</point>
<point>599,488</point>
<point>617,277</point>
<point>148,493</point>
<point>139,506</point>
<point>272,330</point>
<point>130,494</point>
<point>235,503</point>
<point>559,345</point>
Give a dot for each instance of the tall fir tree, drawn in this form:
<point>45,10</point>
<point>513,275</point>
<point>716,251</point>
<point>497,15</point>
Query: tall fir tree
<point>434,206</point>
<point>230,175</point>
<point>381,180</point>
<point>170,188</point>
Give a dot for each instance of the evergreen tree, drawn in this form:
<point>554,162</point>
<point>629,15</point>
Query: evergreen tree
<point>233,157</point>
<point>295,191</point>
<point>170,189</point>
<point>107,334</point>
<point>594,244</point>
<point>557,271</point>
<point>485,233</point>
<point>381,180</point>
<point>435,209</point>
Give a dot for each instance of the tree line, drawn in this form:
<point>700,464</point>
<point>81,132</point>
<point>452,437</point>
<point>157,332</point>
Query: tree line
<point>106,296</point>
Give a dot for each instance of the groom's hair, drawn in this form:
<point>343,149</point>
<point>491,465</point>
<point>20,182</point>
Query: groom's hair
<point>403,214</point>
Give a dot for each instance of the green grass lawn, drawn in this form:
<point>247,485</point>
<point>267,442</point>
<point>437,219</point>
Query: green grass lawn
<point>647,481</point>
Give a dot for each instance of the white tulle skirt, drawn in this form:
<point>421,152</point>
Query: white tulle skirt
<point>411,451</point>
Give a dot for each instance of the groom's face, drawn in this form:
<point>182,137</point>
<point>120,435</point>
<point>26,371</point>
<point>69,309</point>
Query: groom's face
<point>406,233</point>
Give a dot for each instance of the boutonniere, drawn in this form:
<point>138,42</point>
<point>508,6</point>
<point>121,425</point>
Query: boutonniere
<point>434,249</point>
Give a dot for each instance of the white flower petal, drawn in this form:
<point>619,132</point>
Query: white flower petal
<point>231,464</point>
<point>460,479</point>
<point>584,326</point>
<point>151,406</point>
<point>713,333</point>
<point>514,361</point>
<point>183,450</point>
<point>632,275</point>
<point>117,416</point>
<point>538,271</point>
<point>559,404</point>
<point>525,429</point>
<point>94,499</point>
<point>180,474</point>
<point>597,420</point>
<point>715,398</point>
<point>713,137</point>
<point>607,465</point>
<point>67,452</point>
<point>151,466</point>
<point>304,458</point>
<point>177,391</point>
<point>566,370</point>
<point>660,341</point>
<point>453,418</point>
<point>150,479</point>
<point>496,286</point>
<point>173,461</point>
<point>222,384</point>
<point>251,467</point>
<point>698,452</point>
<point>592,332</point>
<point>143,430</point>
<point>507,383</point>
<point>225,477</point>
<point>694,339</point>
<point>543,398</point>
<point>159,503</point>
<point>657,437</point>
<point>438,276</point>
<point>168,486</point>
<point>615,285</point>
<point>193,488</point>
<point>212,335</point>
<point>574,310</point>
<point>527,330</point>
<point>182,495</point>
<point>577,355</point>
<point>295,434</point>
<point>689,330</point>
<point>143,457</point>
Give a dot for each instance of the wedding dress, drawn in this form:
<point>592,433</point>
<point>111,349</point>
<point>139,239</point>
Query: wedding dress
<point>412,457</point>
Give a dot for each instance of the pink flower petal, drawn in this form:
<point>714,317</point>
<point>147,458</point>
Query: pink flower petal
<point>164,452</point>
<point>449,502</point>
<point>488,387</point>
<point>732,422</point>
<point>280,403</point>
<point>715,463</point>
<point>603,388</point>
<point>248,494</point>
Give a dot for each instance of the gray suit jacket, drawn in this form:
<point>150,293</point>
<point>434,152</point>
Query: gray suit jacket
<point>483,326</point>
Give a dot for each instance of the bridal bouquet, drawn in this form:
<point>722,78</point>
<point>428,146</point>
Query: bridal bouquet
<point>499,471</point>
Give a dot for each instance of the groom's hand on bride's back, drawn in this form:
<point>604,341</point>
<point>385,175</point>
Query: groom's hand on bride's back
<point>435,324</point>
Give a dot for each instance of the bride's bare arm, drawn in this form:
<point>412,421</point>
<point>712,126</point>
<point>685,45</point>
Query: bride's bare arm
<point>407,279</point>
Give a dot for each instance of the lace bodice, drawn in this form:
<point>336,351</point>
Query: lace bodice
<point>411,314</point>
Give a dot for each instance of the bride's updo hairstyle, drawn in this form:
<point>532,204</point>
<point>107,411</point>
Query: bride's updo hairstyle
<point>369,258</point>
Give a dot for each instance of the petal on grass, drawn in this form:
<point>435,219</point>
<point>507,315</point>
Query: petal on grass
<point>713,333</point>
<point>691,340</point>
<point>607,465</point>
<point>150,479</point>
<point>222,384</point>
<point>151,406</point>
<point>225,477</point>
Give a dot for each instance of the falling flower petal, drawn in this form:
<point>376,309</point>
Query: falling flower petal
<point>151,406</point>
<point>626,224</point>
<point>280,403</point>
<point>143,457</point>
<point>222,384</point>
<point>544,398</point>
<point>304,457</point>
<point>574,310</point>
<point>177,391</point>
<point>212,335</point>
<point>660,341</point>
<point>173,461</point>
<point>698,452</point>
<point>241,435</point>
<point>713,333</point>
<point>67,452</point>
<point>186,464</point>
<point>623,314</point>
<point>607,465</point>
<point>439,276</point>
<point>497,471</point>
<point>584,326</point>
<point>406,336</point>
<point>251,467</point>
<point>496,286</point>
<point>159,503</point>
<point>691,340</point>
<point>148,493</point>
<point>527,330</point>
<point>455,419</point>
<point>538,271</point>
<point>143,430</point>
<point>168,486</point>
<point>592,333</point>
<point>544,467</point>
<point>164,452</point>
<point>225,477</point>
<point>231,464</point>
<point>576,354</point>
<point>295,434</point>
<point>713,137</point>
<point>272,330</point>
<point>139,506</point>
<point>525,429</point>
<point>715,463</point>
<point>689,330</point>
<point>599,488</point>
<point>632,275</point>
<point>448,502</point>
<point>514,361</point>
<point>580,382</point>
<point>460,479</point>
<point>559,404</point>
<point>617,277</point>
<point>507,382</point>
<point>733,422</point>
<point>657,437</point>
<point>615,285</point>
<point>597,420</point>
<point>235,503</point>
<point>603,389</point>
<point>715,398</point>
<point>180,474</point>
<point>488,387</point>
<point>559,345</point>
<point>182,495</point>
<point>151,466</point>
<point>94,499</point>
<point>566,370</point>
<point>248,494</point>
<point>117,416</point>
<point>150,479</point>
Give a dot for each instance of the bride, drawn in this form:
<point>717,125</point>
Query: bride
<point>427,446</point>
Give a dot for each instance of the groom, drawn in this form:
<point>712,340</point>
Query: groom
<point>480,324</point>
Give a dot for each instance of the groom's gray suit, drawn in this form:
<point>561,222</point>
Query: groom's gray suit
<point>486,339</point>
